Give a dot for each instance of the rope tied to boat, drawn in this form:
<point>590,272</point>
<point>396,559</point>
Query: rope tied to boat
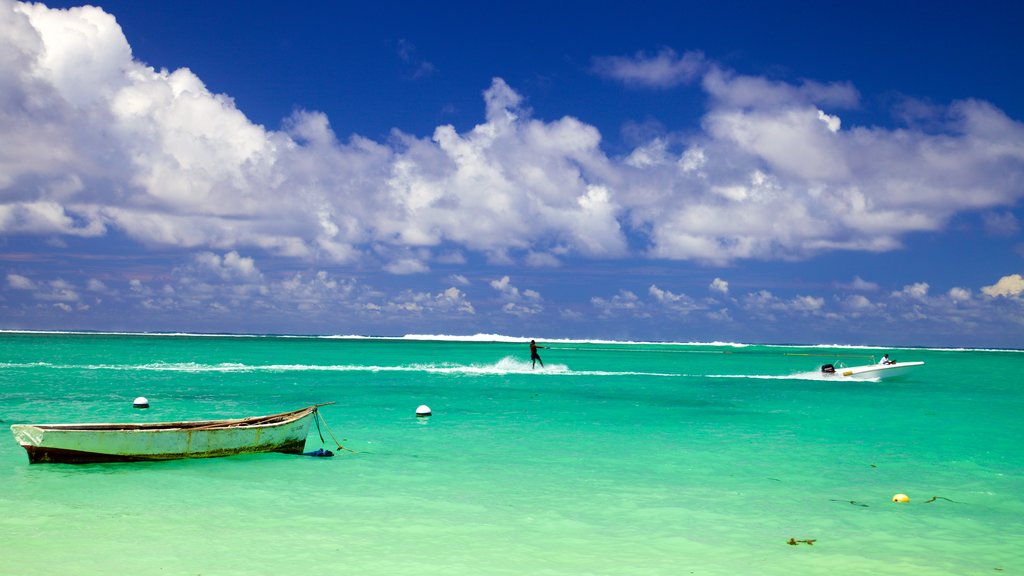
<point>318,417</point>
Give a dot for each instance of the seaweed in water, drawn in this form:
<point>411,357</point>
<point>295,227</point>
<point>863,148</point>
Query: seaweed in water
<point>934,498</point>
<point>854,502</point>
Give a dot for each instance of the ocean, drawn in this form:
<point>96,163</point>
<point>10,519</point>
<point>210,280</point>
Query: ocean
<point>613,459</point>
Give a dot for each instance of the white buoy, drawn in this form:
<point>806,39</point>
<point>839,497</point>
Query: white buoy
<point>422,411</point>
<point>141,402</point>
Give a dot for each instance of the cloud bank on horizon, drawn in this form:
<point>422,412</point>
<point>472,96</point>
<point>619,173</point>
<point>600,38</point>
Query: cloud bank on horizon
<point>96,143</point>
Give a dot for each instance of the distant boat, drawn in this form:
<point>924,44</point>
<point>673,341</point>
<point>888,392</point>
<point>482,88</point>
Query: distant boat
<point>871,371</point>
<point>128,442</point>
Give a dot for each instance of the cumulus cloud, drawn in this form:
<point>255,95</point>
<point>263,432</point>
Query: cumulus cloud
<point>719,285</point>
<point>1008,286</point>
<point>449,301</point>
<point>958,294</point>
<point>96,142</point>
<point>677,303</point>
<point>230,266</point>
<point>857,303</point>
<point>517,303</point>
<point>917,291</point>
<point>57,290</point>
<point>624,302</point>
<point>763,301</point>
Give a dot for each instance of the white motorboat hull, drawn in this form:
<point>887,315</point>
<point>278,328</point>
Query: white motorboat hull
<point>877,372</point>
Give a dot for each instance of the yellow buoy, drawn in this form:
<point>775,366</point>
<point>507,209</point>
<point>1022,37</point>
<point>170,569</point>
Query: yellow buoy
<point>901,498</point>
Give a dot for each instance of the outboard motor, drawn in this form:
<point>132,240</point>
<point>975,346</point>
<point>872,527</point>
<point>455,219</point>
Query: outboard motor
<point>828,369</point>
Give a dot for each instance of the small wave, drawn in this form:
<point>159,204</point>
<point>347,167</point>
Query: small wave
<point>25,364</point>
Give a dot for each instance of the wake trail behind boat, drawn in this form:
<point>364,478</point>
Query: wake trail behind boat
<point>507,365</point>
<point>811,375</point>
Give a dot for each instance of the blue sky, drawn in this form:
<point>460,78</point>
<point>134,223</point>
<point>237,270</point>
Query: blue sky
<point>777,172</point>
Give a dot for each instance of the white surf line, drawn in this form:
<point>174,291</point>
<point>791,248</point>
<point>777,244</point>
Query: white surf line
<point>243,368</point>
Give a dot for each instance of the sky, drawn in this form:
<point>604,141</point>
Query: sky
<point>758,172</point>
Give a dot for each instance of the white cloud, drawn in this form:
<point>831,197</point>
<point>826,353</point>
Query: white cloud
<point>447,302</point>
<point>19,282</point>
<point>959,294</point>
<point>692,160</point>
<point>57,290</point>
<point>807,303</point>
<point>503,284</point>
<point>859,284</point>
<point>624,301</point>
<point>763,301</point>
<point>832,122</point>
<point>664,70</point>
<point>459,279</point>
<point>857,303</point>
<point>46,217</point>
<point>516,302</point>
<point>792,141</point>
<point>96,142</point>
<point>1008,286</point>
<point>719,285</point>
<point>406,266</point>
<point>542,260</point>
<point>229,267</point>
<point>677,303</point>
<point>916,291</point>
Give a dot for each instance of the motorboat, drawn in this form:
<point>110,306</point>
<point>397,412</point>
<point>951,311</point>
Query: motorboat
<point>874,372</point>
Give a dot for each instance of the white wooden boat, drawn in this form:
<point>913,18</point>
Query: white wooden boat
<point>873,372</point>
<point>85,443</point>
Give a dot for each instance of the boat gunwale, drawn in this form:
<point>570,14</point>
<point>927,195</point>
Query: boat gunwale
<point>266,421</point>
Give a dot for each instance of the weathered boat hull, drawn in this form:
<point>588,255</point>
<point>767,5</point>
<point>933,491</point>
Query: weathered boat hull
<point>89,443</point>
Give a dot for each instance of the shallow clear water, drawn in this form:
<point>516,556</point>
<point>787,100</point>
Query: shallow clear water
<point>614,459</point>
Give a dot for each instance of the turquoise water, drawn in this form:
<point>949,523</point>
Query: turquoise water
<point>614,459</point>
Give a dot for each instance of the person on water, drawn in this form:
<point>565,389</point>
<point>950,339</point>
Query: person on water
<point>534,357</point>
<point>885,360</point>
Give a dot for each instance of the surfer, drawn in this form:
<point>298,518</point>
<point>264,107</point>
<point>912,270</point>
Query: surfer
<point>534,357</point>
